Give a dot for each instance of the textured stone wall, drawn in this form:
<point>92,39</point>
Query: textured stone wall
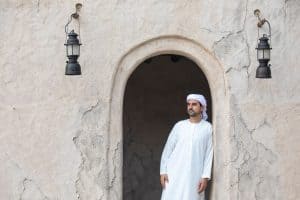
<point>56,141</point>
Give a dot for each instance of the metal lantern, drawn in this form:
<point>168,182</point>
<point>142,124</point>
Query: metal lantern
<point>73,45</point>
<point>263,57</point>
<point>73,52</point>
<point>263,49</point>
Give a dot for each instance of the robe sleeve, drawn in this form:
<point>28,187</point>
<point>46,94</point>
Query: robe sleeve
<point>208,156</point>
<point>168,149</point>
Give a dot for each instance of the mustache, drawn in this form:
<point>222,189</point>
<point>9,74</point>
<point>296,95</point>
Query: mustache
<point>191,111</point>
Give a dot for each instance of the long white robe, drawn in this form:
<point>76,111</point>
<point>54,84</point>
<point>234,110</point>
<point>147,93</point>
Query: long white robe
<point>186,158</point>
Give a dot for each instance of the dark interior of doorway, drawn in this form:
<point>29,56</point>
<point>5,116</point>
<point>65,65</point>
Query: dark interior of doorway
<point>154,100</point>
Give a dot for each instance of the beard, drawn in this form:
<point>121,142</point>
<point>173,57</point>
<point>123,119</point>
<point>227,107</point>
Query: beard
<point>191,113</point>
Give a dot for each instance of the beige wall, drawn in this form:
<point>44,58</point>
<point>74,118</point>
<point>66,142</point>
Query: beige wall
<point>61,137</point>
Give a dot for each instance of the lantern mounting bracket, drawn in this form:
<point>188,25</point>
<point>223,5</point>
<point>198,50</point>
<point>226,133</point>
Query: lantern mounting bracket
<point>74,15</point>
<point>78,7</point>
<point>261,22</point>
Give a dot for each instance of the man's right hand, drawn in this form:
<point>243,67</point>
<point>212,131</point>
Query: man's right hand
<point>163,180</point>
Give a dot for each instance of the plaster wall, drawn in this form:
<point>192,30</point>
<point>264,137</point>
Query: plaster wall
<point>61,137</point>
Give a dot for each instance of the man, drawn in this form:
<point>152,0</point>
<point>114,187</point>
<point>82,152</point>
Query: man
<point>187,156</point>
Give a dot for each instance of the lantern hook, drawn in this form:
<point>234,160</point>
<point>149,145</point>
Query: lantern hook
<point>261,22</point>
<point>74,15</point>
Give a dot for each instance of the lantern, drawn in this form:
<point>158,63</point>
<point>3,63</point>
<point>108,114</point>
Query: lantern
<point>73,45</point>
<point>73,52</point>
<point>263,57</point>
<point>263,49</point>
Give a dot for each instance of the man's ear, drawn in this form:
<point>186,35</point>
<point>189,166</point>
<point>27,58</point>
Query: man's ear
<point>201,108</point>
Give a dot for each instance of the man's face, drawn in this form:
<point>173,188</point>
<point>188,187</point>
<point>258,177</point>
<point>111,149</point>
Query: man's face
<point>193,108</point>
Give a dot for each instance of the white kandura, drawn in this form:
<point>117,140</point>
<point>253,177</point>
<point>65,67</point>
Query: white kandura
<point>186,158</point>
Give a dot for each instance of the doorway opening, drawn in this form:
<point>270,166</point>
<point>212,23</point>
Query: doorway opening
<point>154,101</point>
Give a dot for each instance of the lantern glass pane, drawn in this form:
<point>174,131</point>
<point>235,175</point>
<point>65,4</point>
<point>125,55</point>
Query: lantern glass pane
<point>76,50</point>
<point>267,54</point>
<point>69,50</point>
<point>260,54</point>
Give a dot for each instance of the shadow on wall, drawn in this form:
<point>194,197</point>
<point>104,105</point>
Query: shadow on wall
<point>154,101</point>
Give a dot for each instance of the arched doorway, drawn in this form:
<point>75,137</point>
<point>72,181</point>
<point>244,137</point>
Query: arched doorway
<point>214,72</point>
<point>154,100</point>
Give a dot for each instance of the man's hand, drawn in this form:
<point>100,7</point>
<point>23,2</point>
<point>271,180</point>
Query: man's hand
<point>202,185</point>
<point>163,180</point>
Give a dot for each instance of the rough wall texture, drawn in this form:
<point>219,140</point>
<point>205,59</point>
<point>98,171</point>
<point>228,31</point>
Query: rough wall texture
<point>55,129</point>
